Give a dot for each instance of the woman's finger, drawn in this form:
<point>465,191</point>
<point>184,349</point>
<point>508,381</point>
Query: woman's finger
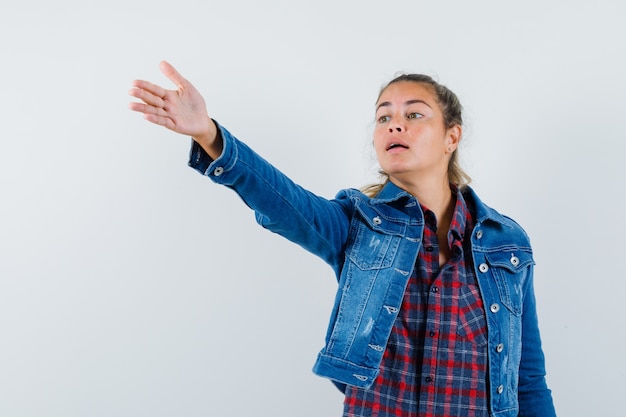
<point>147,109</point>
<point>154,89</point>
<point>141,107</point>
<point>171,73</point>
<point>148,97</point>
<point>159,120</point>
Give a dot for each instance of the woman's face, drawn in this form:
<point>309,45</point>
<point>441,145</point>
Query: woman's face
<point>410,137</point>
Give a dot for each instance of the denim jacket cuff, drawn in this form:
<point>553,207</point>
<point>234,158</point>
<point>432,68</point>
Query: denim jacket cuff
<point>204,164</point>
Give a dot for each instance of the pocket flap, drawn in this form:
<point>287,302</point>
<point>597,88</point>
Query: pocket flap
<point>381,222</point>
<point>512,260</point>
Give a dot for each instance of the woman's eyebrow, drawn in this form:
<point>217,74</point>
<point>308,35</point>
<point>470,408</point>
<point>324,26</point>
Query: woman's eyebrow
<point>414,101</point>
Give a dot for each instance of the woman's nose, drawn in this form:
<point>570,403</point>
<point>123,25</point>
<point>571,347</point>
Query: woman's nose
<point>396,124</point>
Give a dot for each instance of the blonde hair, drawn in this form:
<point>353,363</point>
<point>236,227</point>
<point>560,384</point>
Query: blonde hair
<point>452,115</point>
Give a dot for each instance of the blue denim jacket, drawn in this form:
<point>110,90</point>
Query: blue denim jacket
<point>372,244</point>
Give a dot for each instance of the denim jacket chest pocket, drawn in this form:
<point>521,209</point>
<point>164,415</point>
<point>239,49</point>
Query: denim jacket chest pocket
<point>373,238</point>
<point>510,269</point>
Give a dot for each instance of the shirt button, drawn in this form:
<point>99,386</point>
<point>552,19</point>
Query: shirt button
<point>428,379</point>
<point>218,171</point>
<point>500,389</point>
<point>500,347</point>
<point>377,220</point>
<point>432,334</point>
<point>435,289</point>
<point>495,307</point>
<point>479,234</point>
<point>483,267</point>
<point>429,248</point>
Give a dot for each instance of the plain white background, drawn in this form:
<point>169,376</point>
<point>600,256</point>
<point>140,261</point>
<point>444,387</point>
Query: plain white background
<point>132,286</point>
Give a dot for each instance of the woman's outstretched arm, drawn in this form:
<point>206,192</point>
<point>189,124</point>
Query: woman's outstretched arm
<point>313,222</point>
<point>182,110</point>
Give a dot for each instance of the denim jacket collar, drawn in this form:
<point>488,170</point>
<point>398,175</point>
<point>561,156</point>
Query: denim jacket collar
<point>392,193</point>
<point>482,211</point>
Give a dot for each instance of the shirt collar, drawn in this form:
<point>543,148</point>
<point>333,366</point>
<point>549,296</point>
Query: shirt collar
<point>461,217</point>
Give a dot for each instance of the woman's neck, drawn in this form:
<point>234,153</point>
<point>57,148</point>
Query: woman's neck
<point>433,193</point>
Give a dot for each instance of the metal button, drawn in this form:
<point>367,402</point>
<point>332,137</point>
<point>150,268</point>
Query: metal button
<point>483,268</point>
<point>377,220</point>
<point>514,260</point>
<point>500,347</point>
<point>218,171</point>
<point>479,234</point>
<point>500,389</point>
<point>495,307</point>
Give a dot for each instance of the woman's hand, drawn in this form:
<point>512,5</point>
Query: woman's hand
<point>182,110</point>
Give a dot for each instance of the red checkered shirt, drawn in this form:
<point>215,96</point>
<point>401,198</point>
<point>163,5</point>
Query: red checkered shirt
<point>435,363</point>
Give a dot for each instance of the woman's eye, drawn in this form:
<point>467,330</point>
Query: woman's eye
<point>413,116</point>
<point>383,119</point>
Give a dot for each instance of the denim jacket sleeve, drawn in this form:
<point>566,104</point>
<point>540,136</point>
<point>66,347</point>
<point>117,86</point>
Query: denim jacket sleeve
<point>535,399</point>
<point>317,224</point>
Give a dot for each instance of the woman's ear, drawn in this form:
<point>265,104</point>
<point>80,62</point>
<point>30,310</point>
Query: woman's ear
<point>453,138</point>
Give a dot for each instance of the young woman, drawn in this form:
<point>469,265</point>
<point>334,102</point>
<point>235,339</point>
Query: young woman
<point>435,310</point>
